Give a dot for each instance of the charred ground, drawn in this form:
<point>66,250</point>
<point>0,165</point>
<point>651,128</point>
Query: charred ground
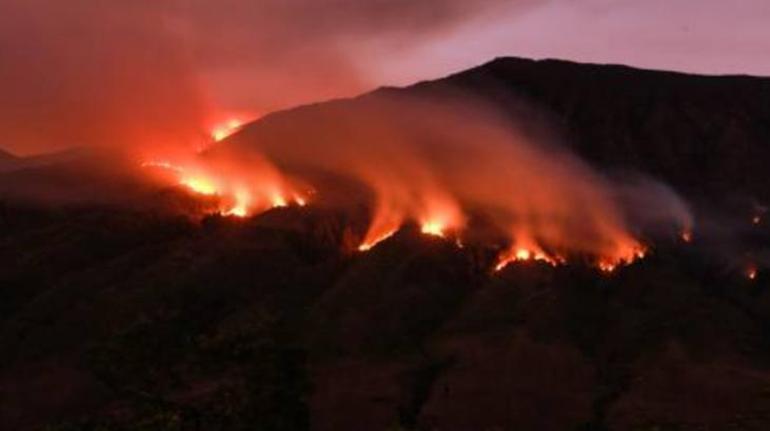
<point>120,318</point>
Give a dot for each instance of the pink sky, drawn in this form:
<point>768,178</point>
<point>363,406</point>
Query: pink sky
<point>699,36</point>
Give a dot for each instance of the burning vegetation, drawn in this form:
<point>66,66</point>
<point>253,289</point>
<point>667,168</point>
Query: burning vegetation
<point>452,170</point>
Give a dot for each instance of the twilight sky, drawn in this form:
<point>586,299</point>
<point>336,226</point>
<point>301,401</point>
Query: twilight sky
<point>113,71</point>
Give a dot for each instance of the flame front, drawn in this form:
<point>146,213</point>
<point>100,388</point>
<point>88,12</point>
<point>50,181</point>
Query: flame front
<point>242,199</point>
<point>221,131</point>
<point>442,167</point>
<point>199,184</point>
<point>525,249</point>
<point>240,194</point>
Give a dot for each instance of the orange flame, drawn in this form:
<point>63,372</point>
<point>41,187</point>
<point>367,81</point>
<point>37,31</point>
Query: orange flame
<point>368,244</point>
<point>451,163</point>
<point>751,272</point>
<point>199,184</point>
<point>443,216</point>
<point>625,255</point>
<point>526,249</point>
<point>241,207</point>
<point>239,197</point>
<point>226,129</point>
<point>434,228</point>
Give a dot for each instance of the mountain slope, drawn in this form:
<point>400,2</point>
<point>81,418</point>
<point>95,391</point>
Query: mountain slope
<point>708,136</point>
<point>704,134</point>
<point>123,319</point>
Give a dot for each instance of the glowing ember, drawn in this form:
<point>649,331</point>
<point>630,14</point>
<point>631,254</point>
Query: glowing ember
<point>628,257</point>
<point>751,272</point>
<point>756,220</point>
<point>433,228</point>
<point>240,191</point>
<point>226,129</point>
<point>606,266</point>
<point>241,207</point>
<point>199,185</point>
<point>162,165</point>
<point>368,245</point>
<point>686,236</point>
<point>524,254</point>
<point>525,249</point>
<point>278,201</point>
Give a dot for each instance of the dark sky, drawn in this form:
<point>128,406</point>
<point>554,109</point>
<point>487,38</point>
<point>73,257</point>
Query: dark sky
<point>114,71</point>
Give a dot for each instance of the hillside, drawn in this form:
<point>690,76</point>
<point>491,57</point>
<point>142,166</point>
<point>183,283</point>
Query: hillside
<point>708,136</point>
<point>115,318</point>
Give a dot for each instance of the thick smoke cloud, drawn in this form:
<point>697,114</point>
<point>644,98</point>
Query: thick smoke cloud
<point>87,72</point>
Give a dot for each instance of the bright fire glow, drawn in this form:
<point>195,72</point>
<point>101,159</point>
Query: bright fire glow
<point>369,244</point>
<point>200,185</point>
<point>625,256</point>
<point>237,197</point>
<point>686,235</point>
<point>162,165</point>
<point>751,272</point>
<point>222,131</point>
<point>526,249</point>
<point>434,228</point>
<point>241,207</point>
<point>278,201</point>
<point>756,220</point>
<point>244,199</point>
<point>519,254</point>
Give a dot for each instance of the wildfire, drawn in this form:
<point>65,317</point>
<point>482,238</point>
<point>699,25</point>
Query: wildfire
<point>242,200</point>
<point>278,201</point>
<point>161,165</point>
<point>625,256</point>
<point>433,228</point>
<point>238,197</point>
<point>369,244</point>
<point>222,131</point>
<point>523,255</point>
<point>526,249</point>
<point>199,185</point>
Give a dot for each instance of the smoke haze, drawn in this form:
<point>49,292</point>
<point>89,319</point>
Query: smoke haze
<point>157,74</point>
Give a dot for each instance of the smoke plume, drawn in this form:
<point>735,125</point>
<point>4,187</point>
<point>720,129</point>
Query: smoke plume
<point>151,74</point>
<point>449,165</point>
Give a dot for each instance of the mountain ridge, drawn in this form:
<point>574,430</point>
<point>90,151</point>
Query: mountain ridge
<point>705,135</point>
